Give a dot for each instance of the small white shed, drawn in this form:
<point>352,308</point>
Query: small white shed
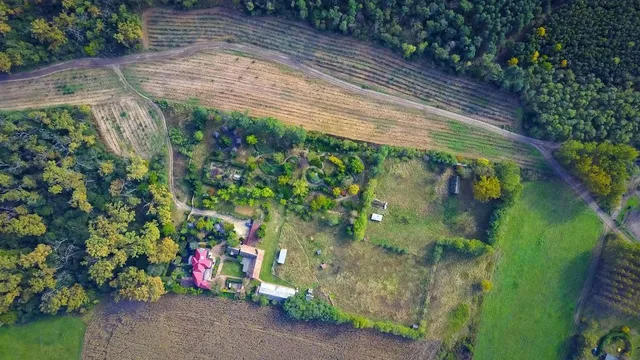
<point>376,217</point>
<point>282,256</point>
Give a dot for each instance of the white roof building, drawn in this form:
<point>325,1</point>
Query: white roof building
<point>276,292</point>
<point>376,217</point>
<point>282,256</point>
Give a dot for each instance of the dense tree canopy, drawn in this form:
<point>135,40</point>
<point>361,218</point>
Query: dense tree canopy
<point>452,33</point>
<point>578,72</point>
<point>38,32</point>
<point>73,216</point>
<point>605,167</point>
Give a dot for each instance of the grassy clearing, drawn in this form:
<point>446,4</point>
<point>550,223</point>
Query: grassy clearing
<point>421,211</point>
<point>232,268</point>
<point>59,337</point>
<point>270,246</point>
<point>360,278</point>
<point>542,267</point>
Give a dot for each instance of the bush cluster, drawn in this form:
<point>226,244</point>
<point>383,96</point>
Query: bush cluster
<point>388,246</point>
<point>299,308</point>
<point>463,246</point>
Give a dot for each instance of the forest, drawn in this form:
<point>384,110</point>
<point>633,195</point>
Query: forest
<point>34,33</point>
<point>76,221</point>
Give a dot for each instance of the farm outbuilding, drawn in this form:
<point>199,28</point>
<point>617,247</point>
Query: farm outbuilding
<point>276,292</point>
<point>376,217</point>
<point>379,203</point>
<point>282,256</point>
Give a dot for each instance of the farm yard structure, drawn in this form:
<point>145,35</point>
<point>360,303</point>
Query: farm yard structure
<point>252,259</point>
<point>252,237</point>
<point>282,256</point>
<point>379,203</point>
<point>275,292</point>
<point>202,262</point>
<point>376,217</point>
<point>454,185</point>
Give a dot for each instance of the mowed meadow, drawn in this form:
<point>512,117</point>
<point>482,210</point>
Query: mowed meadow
<point>53,338</point>
<point>541,270</point>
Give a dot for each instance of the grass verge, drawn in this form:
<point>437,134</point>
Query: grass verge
<point>59,337</point>
<point>538,278</point>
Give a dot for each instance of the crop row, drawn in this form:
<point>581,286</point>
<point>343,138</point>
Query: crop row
<point>131,123</point>
<point>68,87</point>
<point>341,56</point>
<point>232,82</point>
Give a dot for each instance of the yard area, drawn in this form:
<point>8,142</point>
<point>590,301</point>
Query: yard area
<point>232,267</point>
<point>541,269</point>
<point>51,338</point>
<point>359,277</point>
<point>420,209</point>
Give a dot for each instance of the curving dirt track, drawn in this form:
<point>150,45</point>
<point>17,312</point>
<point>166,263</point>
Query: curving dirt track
<point>200,327</point>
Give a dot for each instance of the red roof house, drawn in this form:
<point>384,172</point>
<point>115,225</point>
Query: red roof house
<point>202,264</point>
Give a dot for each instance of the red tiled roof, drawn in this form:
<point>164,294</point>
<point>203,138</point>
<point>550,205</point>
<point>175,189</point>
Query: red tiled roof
<point>200,263</point>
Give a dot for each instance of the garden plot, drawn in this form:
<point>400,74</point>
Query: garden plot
<point>126,124</point>
<point>129,126</point>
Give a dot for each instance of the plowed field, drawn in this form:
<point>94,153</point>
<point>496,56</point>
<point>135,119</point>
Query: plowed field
<point>128,127</point>
<point>236,81</point>
<point>340,56</point>
<point>181,327</point>
<point>124,122</point>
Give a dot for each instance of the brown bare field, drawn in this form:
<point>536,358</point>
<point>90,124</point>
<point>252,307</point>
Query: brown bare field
<point>352,60</point>
<point>127,126</point>
<point>234,81</point>
<point>125,123</point>
<point>180,327</point>
<point>90,87</point>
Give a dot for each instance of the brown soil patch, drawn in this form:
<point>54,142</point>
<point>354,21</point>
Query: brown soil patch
<point>179,327</point>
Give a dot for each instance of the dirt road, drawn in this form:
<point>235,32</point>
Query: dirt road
<point>545,147</point>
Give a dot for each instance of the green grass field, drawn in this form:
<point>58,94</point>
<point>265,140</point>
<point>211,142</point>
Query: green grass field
<point>542,266</point>
<point>420,209</point>
<point>232,268</point>
<point>58,337</point>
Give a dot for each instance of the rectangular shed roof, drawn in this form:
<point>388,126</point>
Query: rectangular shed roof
<point>376,217</point>
<point>275,292</point>
<point>282,256</point>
